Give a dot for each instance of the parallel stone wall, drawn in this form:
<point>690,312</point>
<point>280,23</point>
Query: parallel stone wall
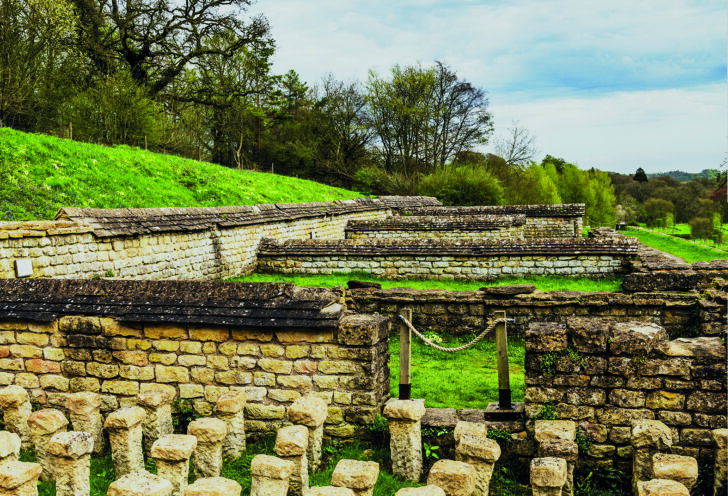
<point>443,227</point>
<point>346,367</point>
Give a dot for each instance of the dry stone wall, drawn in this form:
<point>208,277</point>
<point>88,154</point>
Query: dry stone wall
<point>445,227</point>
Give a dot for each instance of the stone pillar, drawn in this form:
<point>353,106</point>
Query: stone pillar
<point>19,478</point>
<point>420,491</point>
<point>9,447</point>
<point>682,469</point>
<point>230,408</point>
<point>453,477</point>
<point>473,428</point>
<point>291,445</point>
<point>16,407</point>
<point>556,439</point>
<point>172,455</point>
<point>43,425</point>
<point>720,439</point>
<point>481,453</point>
<point>269,476</point>
<point>358,476</point>
<point>648,437</point>
<point>548,476</point>
<point>140,483</point>
<point>311,412</point>
<point>125,434</point>
<point>210,433</point>
<point>405,442</point>
<point>72,462</point>
<point>329,491</point>
<point>158,422</point>
<point>661,487</point>
<point>214,486</point>
<point>84,408</point>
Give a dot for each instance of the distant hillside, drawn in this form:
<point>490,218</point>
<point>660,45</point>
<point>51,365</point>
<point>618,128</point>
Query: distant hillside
<point>686,176</point>
<point>39,174</point>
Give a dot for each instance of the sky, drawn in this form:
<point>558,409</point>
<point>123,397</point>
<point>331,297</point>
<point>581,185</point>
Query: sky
<point>616,84</point>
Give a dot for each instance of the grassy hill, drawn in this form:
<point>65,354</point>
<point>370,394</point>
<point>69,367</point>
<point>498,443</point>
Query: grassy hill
<point>39,174</point>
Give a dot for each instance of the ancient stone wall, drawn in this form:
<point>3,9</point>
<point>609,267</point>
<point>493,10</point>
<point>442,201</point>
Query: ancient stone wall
<point>173,243</point>
<point>444,227</point>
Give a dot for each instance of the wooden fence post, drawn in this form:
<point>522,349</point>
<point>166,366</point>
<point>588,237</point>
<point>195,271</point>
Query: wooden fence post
<point>504,383</point>
<point>405,342</point>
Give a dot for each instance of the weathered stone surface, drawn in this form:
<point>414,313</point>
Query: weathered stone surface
<point>9,446</point>
<point>702,401</point>
<point>548,472</point>
<point>213,486</point>
<point>270,467</point>
<point>478,429</point>
<point>207,430</point>
<point>358,476</point>
<point>125,434</point>
<point>478,447</point>
<point>589,335</point>
<point>709,347</point>
<point>19,478</point>
<point>230,408</point>
<point>291,441</point>
<point>650,434</point>
<point>71,453</point>
<point>453,477</point>
<point>84,409</point>
<point>362,330</point>
<point>408,410</point>
<point>174,447</point>
<point>16,407</point>
<point>555,429</point>
<point>546,336</point>
<point>665,400</point>
<point>158,420</point>
<point>329,491</point>
<point>210,433</point>
<point>658,487</point>
<point>682,469</point>
<point>43,424</point>
<point>720,439</point>
<point>125,418</point>
<point>231,402</point>
<point>140,483</point>
<point>636,338</point>
<point>405,442</point>
<point>72,444</point>
<point>558,448</point>
<point>428,490</point>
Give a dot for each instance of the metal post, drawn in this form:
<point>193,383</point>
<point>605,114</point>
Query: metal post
<point>405,342</point>
<point>504,384</point>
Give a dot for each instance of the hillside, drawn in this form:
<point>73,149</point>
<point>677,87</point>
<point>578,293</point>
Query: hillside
<point>39,174</point>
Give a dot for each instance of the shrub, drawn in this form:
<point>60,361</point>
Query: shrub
<point>701,228</point>
<point>462,185</point>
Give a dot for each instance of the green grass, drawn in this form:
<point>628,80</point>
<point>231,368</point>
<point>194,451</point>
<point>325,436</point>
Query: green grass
<point>544,283</point>
<point>465,379</point>
<point>690,252</point>
<point>41,173</point>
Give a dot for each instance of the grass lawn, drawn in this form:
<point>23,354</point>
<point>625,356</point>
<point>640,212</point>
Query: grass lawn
<point>690,252</point>
<point>544,283</point>
<point>465,379</point>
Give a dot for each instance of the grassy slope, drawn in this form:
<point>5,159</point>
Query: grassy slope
<point>41,173</point>
<point>690,252</point>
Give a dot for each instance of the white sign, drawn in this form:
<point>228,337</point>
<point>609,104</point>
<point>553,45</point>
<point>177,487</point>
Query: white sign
<point>24,267</point>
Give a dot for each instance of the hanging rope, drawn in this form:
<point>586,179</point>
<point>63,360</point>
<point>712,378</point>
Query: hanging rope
<point>459,348</point>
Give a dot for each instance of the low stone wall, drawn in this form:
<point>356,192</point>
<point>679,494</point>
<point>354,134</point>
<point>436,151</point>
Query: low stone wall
<point>446,259</point>
<point>472,227</point>
<point>542,221</point>
<point>195,341</point>
<point>173,243</point>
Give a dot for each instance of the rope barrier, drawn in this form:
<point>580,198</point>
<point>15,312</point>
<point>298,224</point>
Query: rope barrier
<point>459,348</point>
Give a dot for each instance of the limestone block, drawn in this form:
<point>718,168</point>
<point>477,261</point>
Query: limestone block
<point>635,338</point>
<point>158,420</point>
<point>140,483</point>
<point>329,491</point>
<point>230,408</point>
<point>210,433</point>
<point>9,446</point>
<point>358,476</point>
<point>453,477</point>
<point>558,448</point>
<point>43,424</point>
<point>310,411</point>
<point>420,491</point>
<point>19,478</point>
<point>546,336</point>
<point>213,486</point>
<point>555,429</point>
<point>15,403</point>
<point>481,453</point>
<point>548,476</point>
<point>125,434</point>
<point>720,439</point>
<point>292,444</point>
<point>660,487</point>
<point>411,410</point>
<point>648,438</point>
<point>682,469</point>
<point>84,410</point>
<point>473,428</point>
<point>172,455</point>
<point>71,453</point>
<point>269,476</point>
<point>405,437</point>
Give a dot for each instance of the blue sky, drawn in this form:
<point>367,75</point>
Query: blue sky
<point>609,84</point>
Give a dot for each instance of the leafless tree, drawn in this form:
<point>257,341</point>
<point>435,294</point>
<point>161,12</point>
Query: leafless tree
<point>517,147</point>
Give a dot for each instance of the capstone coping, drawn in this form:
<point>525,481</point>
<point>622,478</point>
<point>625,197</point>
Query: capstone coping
<point>309,411</point>
<point>661,487</point>
<point>683,469</point>
<point>650,434</point>
<point>12,396</point>
<point>140,483</point>
<point>477,429</point>
<point>455,478</point>
<point>208,430</point>
<point>292,441</point>
<point>636,338</point>
<point>355,474</point>
<point>214,486</point>
<point>411,410</point>
<point>154,398</point>
<point>362,329</point>
<point>421,491</point>
<point>720,438</point>
<point>125,418</point>
<point>14,474</point>
<point>478,447</point>
<point>174,447</point>
<point>548,472</point>
<point>231,402</point>
<point>555,429</point>
<point>83,402</point>
<point>9,444</point>
<point>559,448</point>
<point>271,467</point>
<point>47,421</point>
<point>72,444</point>
<point>329,491</point>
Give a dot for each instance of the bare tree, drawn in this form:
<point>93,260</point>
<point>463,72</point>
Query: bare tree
<point>517,147</point>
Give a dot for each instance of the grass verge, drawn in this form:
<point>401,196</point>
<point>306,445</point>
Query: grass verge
<point>690,252</point>
<point>543,283</point>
